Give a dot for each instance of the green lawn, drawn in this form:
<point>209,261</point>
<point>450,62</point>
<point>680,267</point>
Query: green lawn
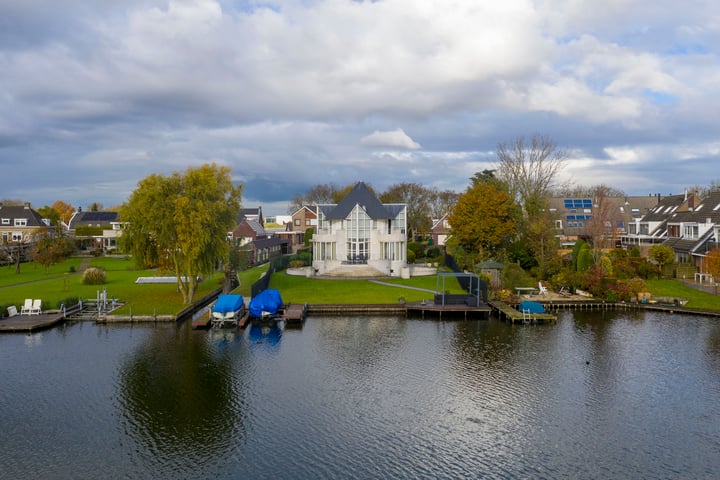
<point>30,272</point>
<point>143,299</point>
<point>58,283</point>
<point>675,288</point>
<point>350,291</point>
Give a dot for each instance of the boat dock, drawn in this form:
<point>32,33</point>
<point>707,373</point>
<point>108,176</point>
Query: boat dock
<point>513,315</point>
<point>31,323</point>
<point>295,312</point>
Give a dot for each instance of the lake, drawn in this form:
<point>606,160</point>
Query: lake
<point>598,395</point>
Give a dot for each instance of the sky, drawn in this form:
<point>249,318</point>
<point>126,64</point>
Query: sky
<point>97,95</point>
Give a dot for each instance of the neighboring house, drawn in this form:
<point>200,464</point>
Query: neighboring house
<point>95,230</point>
<point>251,214</point>
<point>694,230</point>
<point>574,216</point>
<point>21,225</point>
<point>302,219</point>
<point>360,234</point>
<point>440,230</point>
<point>652,227</point>
<point>252,238</point>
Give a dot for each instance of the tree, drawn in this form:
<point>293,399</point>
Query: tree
<point>50,213</point>
<point>418,199</point>
<point>180,222</point>
<point>662,255</point>
<point>65,210</point>
<point>483,219</point>
<point>529,169</point>
<point>52,247</point>
<point>712,262</point>
<point>323,193</point>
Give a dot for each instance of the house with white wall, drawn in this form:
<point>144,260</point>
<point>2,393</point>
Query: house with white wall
<point>360,236</point>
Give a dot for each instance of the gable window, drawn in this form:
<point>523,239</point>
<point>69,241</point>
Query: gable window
<point>21,222</point>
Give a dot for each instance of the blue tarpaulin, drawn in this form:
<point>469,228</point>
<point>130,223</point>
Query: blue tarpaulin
<point>531,307</point>
<point>228,303</point>
<point>266,302</point>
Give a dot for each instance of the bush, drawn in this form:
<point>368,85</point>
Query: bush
<point>296,264</point>
<point>72,269</point>
<point>69,301</point>
<point>93,276</point>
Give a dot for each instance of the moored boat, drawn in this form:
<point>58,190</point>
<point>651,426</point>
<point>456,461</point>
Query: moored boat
<point>228,310</point>
<point>266,306</point>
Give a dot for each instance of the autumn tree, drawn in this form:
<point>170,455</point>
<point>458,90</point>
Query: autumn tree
<point>483,219</point>
<point>712,262</point>
<point>65,210</point>
<point>52,247</point>
<point>180,222</point>
<point>662,255</point>
<point>419,201</point>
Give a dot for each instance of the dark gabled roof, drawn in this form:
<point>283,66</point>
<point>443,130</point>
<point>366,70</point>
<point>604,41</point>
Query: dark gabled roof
<point>361,195</point>
<point>664,208</point>
<point>709,208</point>
<point>34,219</point>
<point>92,218</point>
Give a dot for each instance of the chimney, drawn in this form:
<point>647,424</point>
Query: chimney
<point>27,205</point>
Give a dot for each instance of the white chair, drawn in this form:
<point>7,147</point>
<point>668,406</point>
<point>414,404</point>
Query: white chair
<point>26,309</point>
<point>543,290</point>
<point>12,311</point>
<point>36,307</point>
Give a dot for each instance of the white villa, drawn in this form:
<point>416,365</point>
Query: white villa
<point>361,237</point>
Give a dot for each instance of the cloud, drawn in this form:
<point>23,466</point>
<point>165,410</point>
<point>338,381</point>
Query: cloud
<point>97,95</point>
<point>391,139</point>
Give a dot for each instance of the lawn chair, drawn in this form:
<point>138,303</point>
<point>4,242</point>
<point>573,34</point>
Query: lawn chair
<point>27,307</point>
<point>12,311</point>
<point>36,307</point>
<point>543,290</point>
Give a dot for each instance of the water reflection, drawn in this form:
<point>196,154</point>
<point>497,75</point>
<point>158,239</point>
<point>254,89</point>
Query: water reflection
<point>180,401</point>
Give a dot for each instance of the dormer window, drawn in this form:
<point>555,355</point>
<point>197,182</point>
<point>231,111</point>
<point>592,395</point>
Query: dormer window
<point>6,221</point>
<point>21,222</point>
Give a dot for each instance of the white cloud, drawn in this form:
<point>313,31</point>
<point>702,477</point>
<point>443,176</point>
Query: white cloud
<point>390,139</point>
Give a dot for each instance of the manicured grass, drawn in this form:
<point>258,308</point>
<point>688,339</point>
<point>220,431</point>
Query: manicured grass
<point>31,271</point>
<point>350,291</point>
<point>142,299</point>
<point>675,288</point>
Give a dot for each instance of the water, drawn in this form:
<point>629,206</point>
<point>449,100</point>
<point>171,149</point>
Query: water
<point>606,396</point>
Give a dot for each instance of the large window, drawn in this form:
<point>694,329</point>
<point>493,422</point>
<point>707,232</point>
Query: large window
<point>691,231</point>
<point>358,226</point>
<point>21,222</point>
<point>392,251</point>
<point>324,251</point>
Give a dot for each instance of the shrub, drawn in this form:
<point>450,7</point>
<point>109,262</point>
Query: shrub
<point>93,276</point>
<point>296,263</point>
<point>72,269</point>
<point>69,301</point>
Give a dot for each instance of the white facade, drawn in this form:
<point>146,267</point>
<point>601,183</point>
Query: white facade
<point>364,234</point>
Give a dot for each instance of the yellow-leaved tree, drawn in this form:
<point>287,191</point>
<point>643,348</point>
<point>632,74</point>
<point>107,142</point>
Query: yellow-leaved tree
<point>180,222</point>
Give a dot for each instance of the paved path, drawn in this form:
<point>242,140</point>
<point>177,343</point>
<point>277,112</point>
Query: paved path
<point>380,282</point>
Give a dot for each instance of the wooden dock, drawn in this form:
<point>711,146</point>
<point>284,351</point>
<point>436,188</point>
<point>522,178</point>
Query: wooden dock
<point>31,323</point>
<point>295,313</point>
<point>513,315</point>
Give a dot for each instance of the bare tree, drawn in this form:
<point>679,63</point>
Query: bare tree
<point>530,169</point>
<point>322,193</point>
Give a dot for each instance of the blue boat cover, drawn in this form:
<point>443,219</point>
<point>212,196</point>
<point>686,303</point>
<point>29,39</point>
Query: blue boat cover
<point>266,301</point>
<point>532,307</point>
<point>228,303</point>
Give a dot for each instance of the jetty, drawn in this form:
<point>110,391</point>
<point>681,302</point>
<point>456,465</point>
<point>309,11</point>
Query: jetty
<point>513,315</point>
<point>295,312</point>
<point>31,323</point>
